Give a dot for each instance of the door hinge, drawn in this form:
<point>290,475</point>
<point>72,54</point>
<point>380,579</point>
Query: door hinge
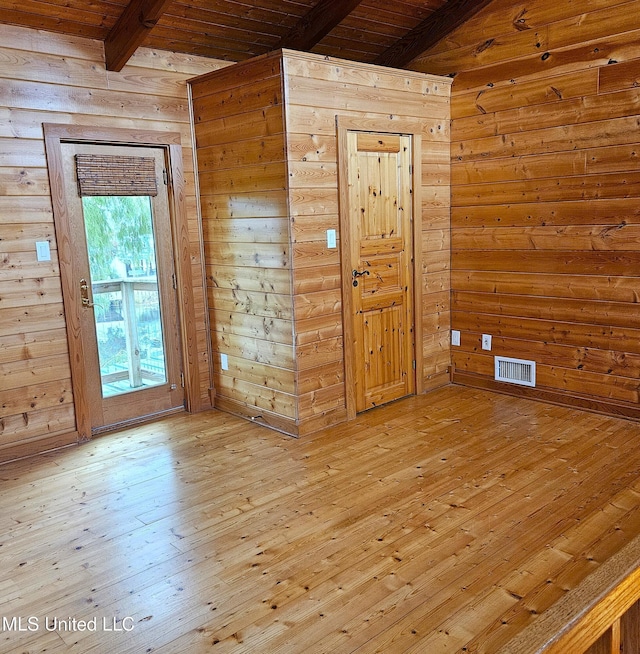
<point>165,177</point>
<point>174,281</point>
<point>182,379</point>
<point>414,364</point>
<point>410,169</point>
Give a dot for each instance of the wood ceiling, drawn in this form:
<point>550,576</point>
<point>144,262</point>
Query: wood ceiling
<point>386,32</point>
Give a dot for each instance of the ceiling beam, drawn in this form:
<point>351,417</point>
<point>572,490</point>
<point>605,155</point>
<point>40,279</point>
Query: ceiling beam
<point>316,24</point>
<point>135,22</point>
<point>431,30</point>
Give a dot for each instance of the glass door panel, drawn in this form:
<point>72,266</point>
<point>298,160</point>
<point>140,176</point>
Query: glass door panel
<point>124,283</point>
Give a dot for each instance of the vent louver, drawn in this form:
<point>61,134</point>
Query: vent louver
<point>515,371</point>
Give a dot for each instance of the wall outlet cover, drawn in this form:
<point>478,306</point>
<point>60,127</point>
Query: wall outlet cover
<point>486,341</point>
<point>455,337</point>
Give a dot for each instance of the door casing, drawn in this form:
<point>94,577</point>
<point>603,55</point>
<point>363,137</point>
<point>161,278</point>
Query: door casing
<point>170,142</point>
<point>383,126</point>
<point>156,399</point>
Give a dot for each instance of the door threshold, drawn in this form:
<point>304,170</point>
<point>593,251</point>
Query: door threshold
<point>132,422</point>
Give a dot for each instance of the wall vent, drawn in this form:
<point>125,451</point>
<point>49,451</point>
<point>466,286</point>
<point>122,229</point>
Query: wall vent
<point>515,371</point>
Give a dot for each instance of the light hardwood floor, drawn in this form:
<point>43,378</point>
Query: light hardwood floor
<point>440,523</point>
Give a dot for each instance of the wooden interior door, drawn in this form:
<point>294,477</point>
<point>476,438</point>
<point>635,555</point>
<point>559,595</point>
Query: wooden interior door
<point>381,262</point>
<point>126,307</point>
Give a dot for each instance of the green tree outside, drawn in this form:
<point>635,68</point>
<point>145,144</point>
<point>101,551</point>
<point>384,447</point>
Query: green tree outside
<point>119,228</point>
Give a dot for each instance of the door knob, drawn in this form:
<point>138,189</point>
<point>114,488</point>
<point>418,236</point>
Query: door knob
<point>84,293</point>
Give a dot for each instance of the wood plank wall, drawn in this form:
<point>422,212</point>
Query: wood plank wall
<point>267,154</point>
<point>239,126</point>
<point>318,90</point>
<point>545,196</point>
<point>46,77</point>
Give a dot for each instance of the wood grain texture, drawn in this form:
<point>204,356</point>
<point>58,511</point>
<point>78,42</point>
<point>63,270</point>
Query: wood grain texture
<point>591,616</point>
<point>457,519</point>
<point>317,92</point>
<point>267,150</point>
<point>380,221</point>
<point>443,21</point>
<point>544,227</point>
<point>130,30</point>
<point>62,80</point>
<point>355,29</point>
<point>317,23</point>
<point>246,232</point>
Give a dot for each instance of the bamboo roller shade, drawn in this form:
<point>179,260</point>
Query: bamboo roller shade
<point>115,175</point>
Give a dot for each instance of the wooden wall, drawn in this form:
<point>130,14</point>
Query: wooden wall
<point>267,152</point>
<point>318,90</point>
<point>545,196</point>
<point>52,78</point>
<point>239,126</point>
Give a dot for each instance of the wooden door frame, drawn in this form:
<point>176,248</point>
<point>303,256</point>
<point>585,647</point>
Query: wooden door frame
<point>379,125</point>
<point>56,134</point>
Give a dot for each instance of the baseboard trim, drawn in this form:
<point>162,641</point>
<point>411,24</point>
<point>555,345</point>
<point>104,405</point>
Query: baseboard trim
<point>282,424</point>
<point>37,446</point>
<point>258,416</point>
<point>435,381</point>
<point>586,403</point>
<point>326,420</point>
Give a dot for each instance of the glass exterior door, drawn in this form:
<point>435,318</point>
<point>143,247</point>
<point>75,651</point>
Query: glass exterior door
<point>121,246</point>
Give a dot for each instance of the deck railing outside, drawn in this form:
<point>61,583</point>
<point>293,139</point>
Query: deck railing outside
<point>129,332</point>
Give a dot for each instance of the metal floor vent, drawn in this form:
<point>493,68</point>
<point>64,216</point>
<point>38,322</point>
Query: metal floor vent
<point>515,371</point>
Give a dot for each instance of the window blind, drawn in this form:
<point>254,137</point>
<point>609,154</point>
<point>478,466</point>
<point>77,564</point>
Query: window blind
<point>115,175</point>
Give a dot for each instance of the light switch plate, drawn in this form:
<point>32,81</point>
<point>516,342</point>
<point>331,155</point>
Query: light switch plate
<point>331,239</point>
<point>455,337</point>
<point>224,361</point>
<point>43,251</point>
<point>486,341</point>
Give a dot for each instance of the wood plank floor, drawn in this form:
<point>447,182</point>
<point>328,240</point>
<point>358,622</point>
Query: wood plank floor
<point>440,523</point>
